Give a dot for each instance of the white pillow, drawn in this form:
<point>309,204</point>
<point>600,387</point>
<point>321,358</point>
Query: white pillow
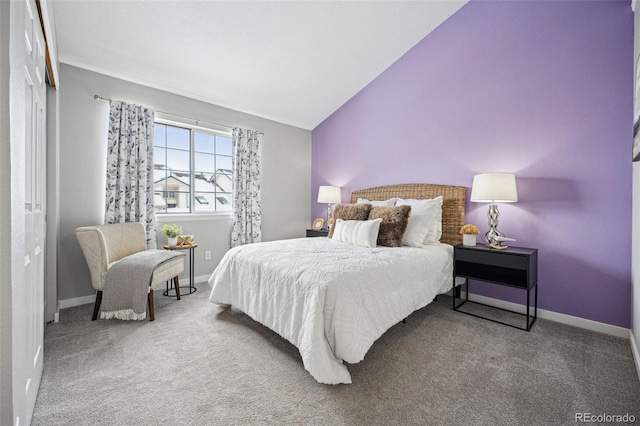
<point>386,203</point>
<point>357,232</point>
<point>418,229</point>
<point>432,209</point>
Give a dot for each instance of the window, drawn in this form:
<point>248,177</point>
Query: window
<point>201,199</point>
<point>193,169</point>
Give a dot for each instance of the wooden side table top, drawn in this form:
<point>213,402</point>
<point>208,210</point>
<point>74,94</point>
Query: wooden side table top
<point>168,247</point>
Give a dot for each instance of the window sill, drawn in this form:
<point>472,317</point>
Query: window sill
<point>191,217</point>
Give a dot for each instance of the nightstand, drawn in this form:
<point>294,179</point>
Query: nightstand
<point>514,267</point>
<point>320,233</point>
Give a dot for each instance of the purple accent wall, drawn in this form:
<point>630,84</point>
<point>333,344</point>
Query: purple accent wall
<point>541,89</point>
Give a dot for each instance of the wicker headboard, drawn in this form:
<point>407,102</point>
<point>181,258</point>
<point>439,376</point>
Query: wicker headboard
<point>452,205</point>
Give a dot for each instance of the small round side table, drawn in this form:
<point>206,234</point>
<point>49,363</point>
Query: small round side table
<point>191,287</point>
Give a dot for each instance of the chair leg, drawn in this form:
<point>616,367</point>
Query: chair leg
<point>96,306</point>
<point>152,314</point>
<point>176,282</point>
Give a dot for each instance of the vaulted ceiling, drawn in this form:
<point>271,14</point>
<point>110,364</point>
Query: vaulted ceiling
<point>289,61</point>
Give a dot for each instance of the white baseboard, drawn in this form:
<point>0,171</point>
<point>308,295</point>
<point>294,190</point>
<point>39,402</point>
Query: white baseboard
<point>635,351</point>
<point>600,327</point>
<point>197,280</point>
<point>84,300</point>
<point>76,301</point>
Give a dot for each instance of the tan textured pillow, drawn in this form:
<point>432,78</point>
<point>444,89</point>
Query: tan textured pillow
<point>350,212</point>
<point>394,223</point>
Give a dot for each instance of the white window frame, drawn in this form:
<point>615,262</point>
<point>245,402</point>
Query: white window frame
<point>170,120</point>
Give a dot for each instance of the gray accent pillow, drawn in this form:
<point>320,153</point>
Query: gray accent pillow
<point>394,223</point>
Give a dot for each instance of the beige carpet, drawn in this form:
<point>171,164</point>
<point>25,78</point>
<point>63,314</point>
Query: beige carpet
<point>199,364</point>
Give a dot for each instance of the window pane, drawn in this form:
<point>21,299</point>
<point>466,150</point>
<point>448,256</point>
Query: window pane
<point>178,181</point>
<point>177,202</point>
<point>177,160</point>
<point>160,135</point>
<point>223,181</point>
<point>159,190</point>
<point>160,201</point>
<point>204,142</point>
<point>205,202</point>
<point>203,183</point>
<point>223,163</point>
<point>178,138</point>
<point>204,162</point>
<point>201,199</point>
<point>159,157</point>
<point>159,179</point>
<point>223,145</point>
<point>223,201</point>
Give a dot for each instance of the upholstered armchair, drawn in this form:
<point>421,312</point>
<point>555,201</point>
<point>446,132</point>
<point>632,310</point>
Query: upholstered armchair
<point>104,245</point>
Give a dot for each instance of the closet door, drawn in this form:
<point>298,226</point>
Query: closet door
<point>28,303</point>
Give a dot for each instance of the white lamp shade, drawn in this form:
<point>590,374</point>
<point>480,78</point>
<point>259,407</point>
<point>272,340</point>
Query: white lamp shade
<point>494,188</point>
<point>329,194</point>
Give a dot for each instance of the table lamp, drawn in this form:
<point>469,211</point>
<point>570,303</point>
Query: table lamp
<point>494,188</point>
<point>329,195</point>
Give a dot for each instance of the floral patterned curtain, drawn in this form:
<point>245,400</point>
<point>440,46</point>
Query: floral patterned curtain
<point>129,196</point>
<point>247,215</point>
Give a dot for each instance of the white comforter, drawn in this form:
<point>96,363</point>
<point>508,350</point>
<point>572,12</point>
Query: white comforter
<point>331,300</point>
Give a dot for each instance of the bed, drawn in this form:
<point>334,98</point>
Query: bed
<point>334,300</point>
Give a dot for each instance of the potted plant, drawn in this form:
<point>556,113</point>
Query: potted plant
<point>172,232</point>
<point>469,233</point>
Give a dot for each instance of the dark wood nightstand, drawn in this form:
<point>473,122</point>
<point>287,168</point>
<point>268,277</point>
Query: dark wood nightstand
<point>320,233</point>
<point>514,267</point>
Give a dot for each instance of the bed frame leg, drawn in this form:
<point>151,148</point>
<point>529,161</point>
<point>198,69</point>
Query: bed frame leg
<point>404,321</point>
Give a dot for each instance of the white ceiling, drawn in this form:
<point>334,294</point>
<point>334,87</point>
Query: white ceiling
<point>289,61</point>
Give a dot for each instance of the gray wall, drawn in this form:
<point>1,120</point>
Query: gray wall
<point>53,208</point>
<point>286,171</point>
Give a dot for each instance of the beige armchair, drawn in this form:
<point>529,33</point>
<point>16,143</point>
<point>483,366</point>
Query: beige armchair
<point>104,245</point>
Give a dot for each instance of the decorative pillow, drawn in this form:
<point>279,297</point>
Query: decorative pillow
<point>386,203</point>
<point>357,232</point>
<point>418,229</point>
<point>432,208</point>
<point>394,223</point>
<point>350,212</point>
